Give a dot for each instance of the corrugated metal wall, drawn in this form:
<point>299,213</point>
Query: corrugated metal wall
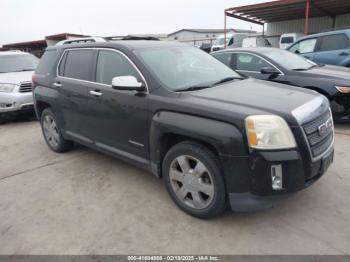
<point>318,24</point>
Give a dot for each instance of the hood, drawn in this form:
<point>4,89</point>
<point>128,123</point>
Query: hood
<point>252,96</point>
<point>16,77</point>
<point>327,71</point>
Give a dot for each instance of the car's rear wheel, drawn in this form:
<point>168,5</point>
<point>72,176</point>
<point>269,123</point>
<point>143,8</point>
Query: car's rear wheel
<point>194,181</point>
<point>52,133</point>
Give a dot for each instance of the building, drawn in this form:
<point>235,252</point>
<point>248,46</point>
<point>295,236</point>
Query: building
<point>38,47</point>
<point>294,16</point>
<point>198,36</point>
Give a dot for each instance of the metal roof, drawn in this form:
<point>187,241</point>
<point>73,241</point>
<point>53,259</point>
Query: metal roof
<point>283,10</point>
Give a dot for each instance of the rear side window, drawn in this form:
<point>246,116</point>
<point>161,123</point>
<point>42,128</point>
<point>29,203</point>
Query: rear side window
<point>78,64</point>
<point>111,64</point>
<point>334,42</point>
<point>46,62</point>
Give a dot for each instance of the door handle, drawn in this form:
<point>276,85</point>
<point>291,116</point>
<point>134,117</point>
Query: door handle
<point>57,84</point>
<point>344,54</point>
<point>95,93</point>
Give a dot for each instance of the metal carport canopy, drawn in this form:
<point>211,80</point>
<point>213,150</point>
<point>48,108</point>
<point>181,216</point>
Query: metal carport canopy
<point>283,10</point>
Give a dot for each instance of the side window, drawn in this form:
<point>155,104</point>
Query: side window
<point>334,42</point>
<point>248,62</point>
<point>78,64</point>
<point>304,46</point>
<point>225,58</point>
<point>62,64</point>
<point>111,64</point>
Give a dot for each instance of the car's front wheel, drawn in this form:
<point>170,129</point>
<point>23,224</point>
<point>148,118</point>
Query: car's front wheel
<point>194,180</point>
<point>52,133</point>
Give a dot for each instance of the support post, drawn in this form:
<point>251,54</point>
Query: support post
<point>307,14</point>
<point>225,29</point>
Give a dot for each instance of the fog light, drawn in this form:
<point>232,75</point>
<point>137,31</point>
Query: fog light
<point>276,177</point>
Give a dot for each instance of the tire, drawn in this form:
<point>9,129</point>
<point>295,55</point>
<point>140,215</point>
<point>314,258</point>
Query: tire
<point>2,119</point>
<point>52,133</point>
<point>194,180</point>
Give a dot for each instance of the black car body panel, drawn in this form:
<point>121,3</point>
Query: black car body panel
<point>141,126</point>
<point>322,78</point>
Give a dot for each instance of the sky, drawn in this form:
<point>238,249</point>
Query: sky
<point>27,20</point>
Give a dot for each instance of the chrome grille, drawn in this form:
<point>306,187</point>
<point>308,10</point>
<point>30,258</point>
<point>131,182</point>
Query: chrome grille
<point>319,133</point>
<point>25,87</point>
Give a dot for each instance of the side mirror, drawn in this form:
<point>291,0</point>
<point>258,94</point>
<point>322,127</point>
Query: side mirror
<point>127,83</point>
<point>269,71</point>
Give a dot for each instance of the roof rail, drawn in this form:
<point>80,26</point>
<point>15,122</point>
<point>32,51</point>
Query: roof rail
<point>131,37</point>
<point>81,40</point>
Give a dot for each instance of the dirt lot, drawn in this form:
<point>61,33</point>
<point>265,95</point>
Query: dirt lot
<point>83,202</point>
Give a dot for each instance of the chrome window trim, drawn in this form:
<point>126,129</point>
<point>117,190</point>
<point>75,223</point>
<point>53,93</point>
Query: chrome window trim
<point>249,53</point>
<point>98,48</point>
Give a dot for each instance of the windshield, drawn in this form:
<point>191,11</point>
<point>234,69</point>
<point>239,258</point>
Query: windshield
<point>181,67</point>
<point>17,63</point>
<point>289,60</point>
<point>221,40</point>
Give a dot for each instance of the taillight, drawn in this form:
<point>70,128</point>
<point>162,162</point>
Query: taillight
<point>33,81</point>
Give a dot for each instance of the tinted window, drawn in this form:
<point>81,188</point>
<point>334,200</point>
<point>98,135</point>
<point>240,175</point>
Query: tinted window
<point>46,62</point>
<point>334,42</point>
<point>224,58</point>
<point>305,46</point>
<point>111,64</point>
<point>248,62</point>
<point>79,64</point>
<point>287,40</point>
<point>18,63</point>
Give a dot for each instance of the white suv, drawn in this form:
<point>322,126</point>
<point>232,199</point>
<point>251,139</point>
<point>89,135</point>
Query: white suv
<point>16,70</point>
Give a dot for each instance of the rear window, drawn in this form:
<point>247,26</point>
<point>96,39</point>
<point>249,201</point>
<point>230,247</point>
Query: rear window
<point>79,64</point>
<point>334,42</point>
<point>287,40</point>
<point>46,62</point>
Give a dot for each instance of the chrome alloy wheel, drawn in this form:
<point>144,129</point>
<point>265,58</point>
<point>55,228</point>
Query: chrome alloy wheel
<point>51,131</point>
<point>191,181</point>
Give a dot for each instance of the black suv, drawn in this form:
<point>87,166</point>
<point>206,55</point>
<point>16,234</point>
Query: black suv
<point>214,137</point>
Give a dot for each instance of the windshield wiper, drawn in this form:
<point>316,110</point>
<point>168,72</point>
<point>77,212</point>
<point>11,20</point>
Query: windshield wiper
<point>306,69</point>
<point>23,70</point>
<point>226,79</point>
<point>204,86</point>
<point>193,88</point>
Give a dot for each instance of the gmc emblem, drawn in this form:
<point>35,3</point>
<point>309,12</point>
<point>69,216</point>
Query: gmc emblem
<point>325,127</point>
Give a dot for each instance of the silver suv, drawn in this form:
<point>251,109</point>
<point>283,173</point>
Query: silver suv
<point>16,70</point>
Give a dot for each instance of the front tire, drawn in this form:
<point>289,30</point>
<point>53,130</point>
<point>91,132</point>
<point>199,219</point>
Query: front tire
<point>194,180</point>
<point>52,133</point>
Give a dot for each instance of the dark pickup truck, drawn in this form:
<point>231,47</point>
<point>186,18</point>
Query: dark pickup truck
<point>218,140</point>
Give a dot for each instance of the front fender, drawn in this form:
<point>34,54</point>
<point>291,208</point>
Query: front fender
<point>227,139</point>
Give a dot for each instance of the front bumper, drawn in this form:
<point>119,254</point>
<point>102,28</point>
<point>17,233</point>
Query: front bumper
<point>298,174</point>
<point>15,101</point>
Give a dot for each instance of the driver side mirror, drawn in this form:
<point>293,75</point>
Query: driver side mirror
<point>269,71</point>
<point>127,83</point>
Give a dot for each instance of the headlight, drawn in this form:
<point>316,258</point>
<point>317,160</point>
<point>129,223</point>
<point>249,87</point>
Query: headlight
<point>269,132</point>
<point>7,88</point>
<point>343,89</point>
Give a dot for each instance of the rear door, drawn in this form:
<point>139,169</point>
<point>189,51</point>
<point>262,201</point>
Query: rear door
<point>332,49</point>
<point>75,73</point>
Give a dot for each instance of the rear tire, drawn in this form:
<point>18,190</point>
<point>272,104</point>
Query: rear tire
<point>194,180</point>
<point>52,133</point>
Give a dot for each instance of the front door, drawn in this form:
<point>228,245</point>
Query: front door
<point>118,119</point>
<point>250,65</point>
